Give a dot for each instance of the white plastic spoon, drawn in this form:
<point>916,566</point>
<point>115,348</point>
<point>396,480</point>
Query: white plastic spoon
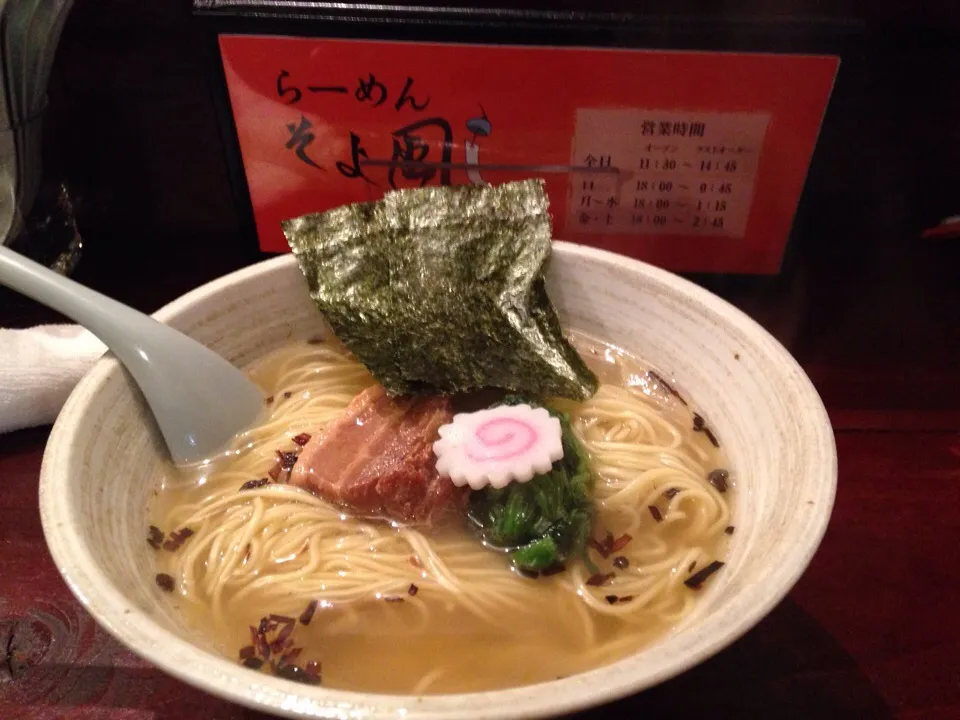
<point>200,401</point>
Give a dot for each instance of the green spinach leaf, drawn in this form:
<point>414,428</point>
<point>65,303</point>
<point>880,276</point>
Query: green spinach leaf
<point>543,522</point>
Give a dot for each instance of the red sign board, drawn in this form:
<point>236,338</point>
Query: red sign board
<point>692,161</point>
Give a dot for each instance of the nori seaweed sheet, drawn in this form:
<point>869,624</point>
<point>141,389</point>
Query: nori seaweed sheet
<point>441,289</point>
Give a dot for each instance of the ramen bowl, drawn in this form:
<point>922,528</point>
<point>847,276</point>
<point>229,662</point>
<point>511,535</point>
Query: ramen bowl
<point>105,454</point>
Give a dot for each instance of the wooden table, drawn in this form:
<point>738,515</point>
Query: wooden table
<point>870,631</point>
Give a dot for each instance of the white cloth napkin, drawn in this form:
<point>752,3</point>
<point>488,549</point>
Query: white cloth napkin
<point>39,367</point>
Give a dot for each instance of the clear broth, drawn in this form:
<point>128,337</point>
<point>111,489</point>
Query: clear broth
<point>429,643</point>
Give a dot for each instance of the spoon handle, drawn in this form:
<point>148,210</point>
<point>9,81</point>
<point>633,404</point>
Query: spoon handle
<point>98,313</point>
<point>200,400</point>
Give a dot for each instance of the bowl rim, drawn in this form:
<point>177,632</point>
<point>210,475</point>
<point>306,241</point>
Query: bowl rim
<point>227,680</point>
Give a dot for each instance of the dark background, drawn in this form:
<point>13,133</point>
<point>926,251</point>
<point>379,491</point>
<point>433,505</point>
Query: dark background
<point>132,126</point>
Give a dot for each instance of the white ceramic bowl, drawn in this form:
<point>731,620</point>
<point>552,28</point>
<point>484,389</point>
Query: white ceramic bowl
<point>104,454</point>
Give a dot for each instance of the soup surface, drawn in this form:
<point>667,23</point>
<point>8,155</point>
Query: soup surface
<point>369,606</point>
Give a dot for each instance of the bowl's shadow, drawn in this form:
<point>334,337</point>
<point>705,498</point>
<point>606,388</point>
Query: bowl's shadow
<point>787,667</point>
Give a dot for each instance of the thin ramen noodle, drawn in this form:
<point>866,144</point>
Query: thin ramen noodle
<point>432,610</point>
